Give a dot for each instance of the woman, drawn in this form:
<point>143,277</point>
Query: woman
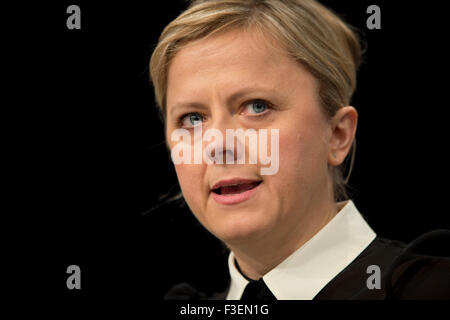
<point>287,68</point>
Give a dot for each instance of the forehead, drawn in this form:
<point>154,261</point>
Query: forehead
<point>230,60</point>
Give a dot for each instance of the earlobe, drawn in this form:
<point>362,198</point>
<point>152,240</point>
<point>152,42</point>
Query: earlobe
<point>333,160</point>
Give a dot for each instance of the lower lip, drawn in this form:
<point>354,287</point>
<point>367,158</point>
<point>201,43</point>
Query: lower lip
<point>235,198</point>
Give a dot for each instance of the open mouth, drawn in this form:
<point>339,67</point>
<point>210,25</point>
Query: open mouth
<point>235,188</point>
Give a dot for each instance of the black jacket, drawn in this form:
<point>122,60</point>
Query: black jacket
<point>418,270</point>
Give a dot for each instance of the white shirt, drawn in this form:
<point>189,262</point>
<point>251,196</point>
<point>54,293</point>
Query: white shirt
<point>306,271</point>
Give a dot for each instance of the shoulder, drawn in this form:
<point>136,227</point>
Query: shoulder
<point>416,270</point>
<point>422,270</point>
<point>185,291</point>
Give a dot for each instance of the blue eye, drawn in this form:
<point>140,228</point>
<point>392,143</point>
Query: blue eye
<point>257,106</point>
<point>191,120</point>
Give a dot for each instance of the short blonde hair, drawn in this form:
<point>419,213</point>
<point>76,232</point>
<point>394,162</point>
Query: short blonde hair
<point>312,35</point>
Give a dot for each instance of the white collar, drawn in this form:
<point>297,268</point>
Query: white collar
<point>305,272</point>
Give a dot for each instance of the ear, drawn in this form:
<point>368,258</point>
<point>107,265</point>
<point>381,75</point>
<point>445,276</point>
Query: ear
<point>343,130</point>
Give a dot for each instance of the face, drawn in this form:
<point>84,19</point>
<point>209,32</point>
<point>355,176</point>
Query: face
<point>238,80</point>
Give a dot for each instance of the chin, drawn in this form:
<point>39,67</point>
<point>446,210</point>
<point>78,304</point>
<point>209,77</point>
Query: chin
<point>239,230</point>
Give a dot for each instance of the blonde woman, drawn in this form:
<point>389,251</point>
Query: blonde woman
<point>288,67</point>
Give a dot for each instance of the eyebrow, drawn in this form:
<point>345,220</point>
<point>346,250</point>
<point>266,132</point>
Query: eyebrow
<point>232,98</point>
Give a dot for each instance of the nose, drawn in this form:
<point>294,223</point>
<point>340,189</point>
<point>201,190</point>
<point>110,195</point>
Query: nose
<point>222,156</point>
<point>225,151</point>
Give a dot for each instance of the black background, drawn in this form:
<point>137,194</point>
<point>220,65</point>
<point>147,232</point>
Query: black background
<point>89,157</point>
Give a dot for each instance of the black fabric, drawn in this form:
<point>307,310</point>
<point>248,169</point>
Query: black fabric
<point>419,270</point>
<point>185,291</point>
<point>257,290</point>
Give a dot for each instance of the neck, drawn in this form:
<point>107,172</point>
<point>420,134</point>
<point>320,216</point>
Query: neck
<point>258,257</point>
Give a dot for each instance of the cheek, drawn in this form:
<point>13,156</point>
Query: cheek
<point>186,174</point>
<point>300,152</point>
<point>190,179</point>
<point>292,157</point>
